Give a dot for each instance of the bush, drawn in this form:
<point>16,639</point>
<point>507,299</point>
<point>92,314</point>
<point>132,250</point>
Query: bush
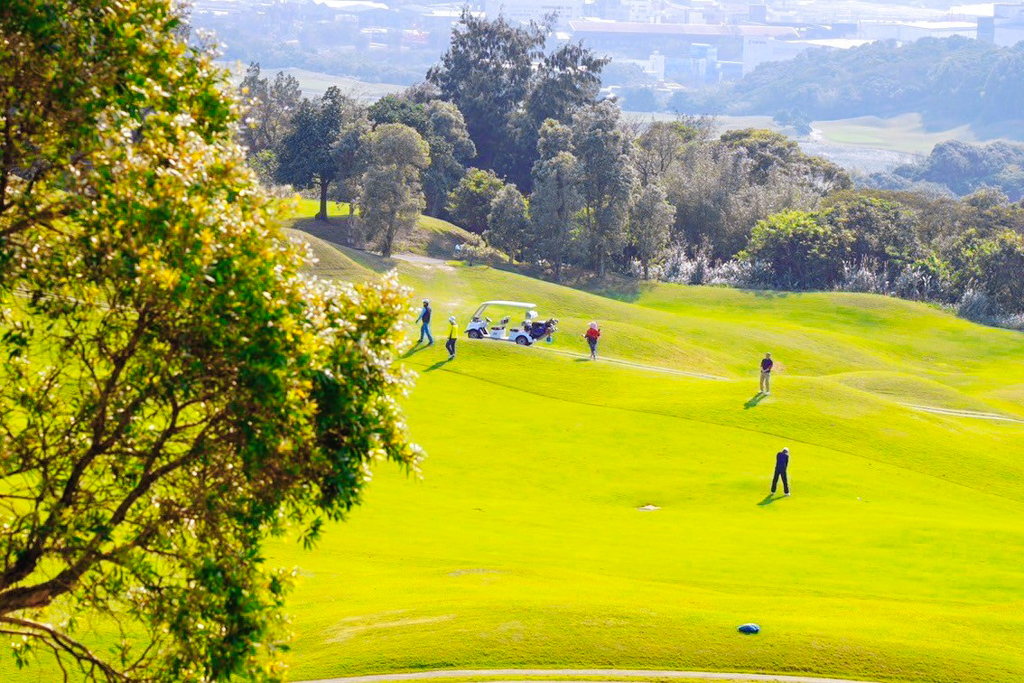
<point>977,306</point>
<point>803,251</point>
<point>861,277</point>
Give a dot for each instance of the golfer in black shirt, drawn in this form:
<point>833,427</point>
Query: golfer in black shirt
<point>781,465</point>
<point>766,373</point>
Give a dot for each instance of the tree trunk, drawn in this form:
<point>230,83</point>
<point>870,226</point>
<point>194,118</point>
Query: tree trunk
<point>646,276</point>
<point>323,201</point>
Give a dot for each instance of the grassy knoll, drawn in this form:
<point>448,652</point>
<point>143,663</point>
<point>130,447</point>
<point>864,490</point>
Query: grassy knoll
<point>896,558</point>
<point>432,237</point>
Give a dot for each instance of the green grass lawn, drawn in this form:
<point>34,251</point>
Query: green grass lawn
<point>904,133</point>
<point>897,558</point>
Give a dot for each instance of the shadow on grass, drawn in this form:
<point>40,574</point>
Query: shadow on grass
<point>581,360</point>
<point>754,400</point>
<point>768,500</point>
<point>437,365</point>
<point>766,293</point>
<point>415,349</point>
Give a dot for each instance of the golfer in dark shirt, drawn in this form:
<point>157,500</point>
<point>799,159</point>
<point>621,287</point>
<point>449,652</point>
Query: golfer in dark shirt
<point>781,465</point>
<point>425,327</point>
<point>766,373</point>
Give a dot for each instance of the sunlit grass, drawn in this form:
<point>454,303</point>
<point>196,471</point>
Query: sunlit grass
<point>895,559</point>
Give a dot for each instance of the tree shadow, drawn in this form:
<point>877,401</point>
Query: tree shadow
<point>437,365</point>
<point>754,400</point>
<point>768,500</point>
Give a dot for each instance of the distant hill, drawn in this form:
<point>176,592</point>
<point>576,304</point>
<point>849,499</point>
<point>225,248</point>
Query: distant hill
<point>950,82</point>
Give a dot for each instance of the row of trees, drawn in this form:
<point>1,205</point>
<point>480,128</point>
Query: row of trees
<point>392,160</point>
<point>605,193</point>
<point>902,243</point>
<point>585,189</point>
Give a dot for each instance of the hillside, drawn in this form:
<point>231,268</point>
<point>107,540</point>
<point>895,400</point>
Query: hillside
<point>523,545</point>
<point>432,237</point>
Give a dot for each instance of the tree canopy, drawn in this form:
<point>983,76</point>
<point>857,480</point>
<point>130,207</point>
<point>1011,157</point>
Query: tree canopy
<point>506,86</point>
<point>172,388</point>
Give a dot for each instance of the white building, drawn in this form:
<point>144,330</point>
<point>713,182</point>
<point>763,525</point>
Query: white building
<point>909,31</point>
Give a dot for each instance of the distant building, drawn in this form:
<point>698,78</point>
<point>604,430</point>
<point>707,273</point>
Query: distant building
<point>1007,24</point>
<point>525,11</point>
<point>909,31</point>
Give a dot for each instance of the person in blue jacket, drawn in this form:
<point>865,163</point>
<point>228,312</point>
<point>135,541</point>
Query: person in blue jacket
<point>425,327</point>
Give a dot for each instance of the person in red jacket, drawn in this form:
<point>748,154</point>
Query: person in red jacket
<point>591,335</point>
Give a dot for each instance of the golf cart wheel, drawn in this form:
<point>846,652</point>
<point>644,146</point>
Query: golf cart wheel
<point>522,341</point>
<point>475,334</point>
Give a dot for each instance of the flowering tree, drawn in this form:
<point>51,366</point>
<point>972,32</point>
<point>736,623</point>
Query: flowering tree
<point>172,388</point>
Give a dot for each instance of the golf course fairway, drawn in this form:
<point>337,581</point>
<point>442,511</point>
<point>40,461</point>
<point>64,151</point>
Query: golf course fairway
<point>898,556</point>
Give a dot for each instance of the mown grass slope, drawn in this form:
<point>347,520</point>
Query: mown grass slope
<point>897,558</point>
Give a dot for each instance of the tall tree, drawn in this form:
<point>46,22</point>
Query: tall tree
<point>506,87</point>
<point>608,179</point>
<point>441,124</point>
<point>661,145</point>
<point>390,193</point>
<point>319,151</point>
<point>470,202</point>
<point>562,82</point>
<point>172,388</point>
<point>556,199</point>
<point>269,107</point>
<point>486,73</point>
<point>507,224</point>
<point>649,223</point>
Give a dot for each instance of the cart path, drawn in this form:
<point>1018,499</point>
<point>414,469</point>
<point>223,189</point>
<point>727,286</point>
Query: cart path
<point>565,675</point>
<point>972,414</point>
<point>638,366</point>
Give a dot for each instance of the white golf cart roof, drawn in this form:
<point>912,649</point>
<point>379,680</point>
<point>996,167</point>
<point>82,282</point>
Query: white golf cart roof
<point>516,304</point>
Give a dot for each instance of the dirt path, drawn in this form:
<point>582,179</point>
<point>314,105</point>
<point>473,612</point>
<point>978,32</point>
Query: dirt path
<point>565,675</point>
<point>420,260</point>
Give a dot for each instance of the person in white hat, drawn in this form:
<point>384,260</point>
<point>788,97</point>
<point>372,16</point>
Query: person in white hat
<point>453,334</point>
<point>781,465</point>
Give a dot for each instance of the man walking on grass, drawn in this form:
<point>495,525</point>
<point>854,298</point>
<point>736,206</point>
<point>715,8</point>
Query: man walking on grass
<point>425,328</point>
<point>781,465</point>
<point>766,374</point>
<point>453,335</point>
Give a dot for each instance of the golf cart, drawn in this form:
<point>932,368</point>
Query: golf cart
<point>527,333</point>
